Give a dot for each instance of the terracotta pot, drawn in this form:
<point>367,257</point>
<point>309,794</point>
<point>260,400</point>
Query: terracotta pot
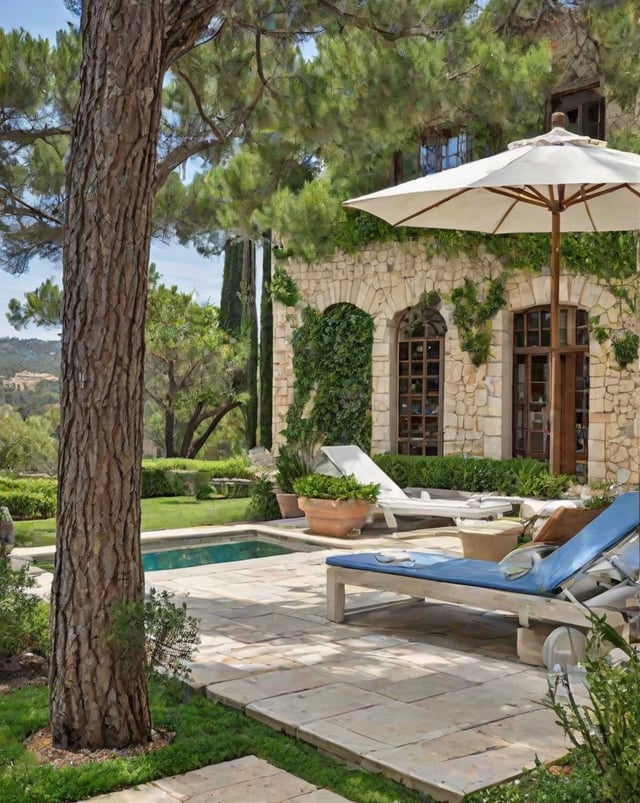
<point>288,504</point>
<point>335,517</point>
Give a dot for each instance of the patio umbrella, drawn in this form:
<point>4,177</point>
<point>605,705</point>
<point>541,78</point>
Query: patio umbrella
<point>553,181</point>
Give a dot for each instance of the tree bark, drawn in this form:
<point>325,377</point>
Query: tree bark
<point>98,688</point>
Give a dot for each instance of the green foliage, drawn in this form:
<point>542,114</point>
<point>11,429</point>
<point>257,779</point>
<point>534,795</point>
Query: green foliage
<point>515,476</point>
<point>27,445</point>
<point>546,486</point>
<point>193,371</point>
<point>332,367</point>
<point>156,482</point>
<point>453,472</point>
<point>230,295</point>
<point>24,618</point>
<point>171,635</point>
<point>283,288</point>
<point>324,486</point>
<point>472,316</point>
<point>28,498</point>
<point>165,632</point>
<point>609,725</point>
<point>580,785</point>
<point>42,307</point>
<point>602,495</point>
<point>625,348</point>
<point>292,462</point>
<point>233,468</point>
<point>263,505</point>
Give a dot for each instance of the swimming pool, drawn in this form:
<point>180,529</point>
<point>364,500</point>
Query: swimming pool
<point>200,555</point>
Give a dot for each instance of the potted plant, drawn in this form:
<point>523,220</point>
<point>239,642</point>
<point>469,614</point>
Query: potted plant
<point>335,505</point>
<point>291,463</point>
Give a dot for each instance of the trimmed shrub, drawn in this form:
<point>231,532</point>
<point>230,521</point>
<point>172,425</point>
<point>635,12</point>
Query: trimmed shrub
<point>233,468</point>
<point>157,482</point>
<point>24,618</point>
<point>477,474</point>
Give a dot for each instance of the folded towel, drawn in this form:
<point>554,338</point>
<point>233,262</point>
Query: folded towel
<point>393,556</point>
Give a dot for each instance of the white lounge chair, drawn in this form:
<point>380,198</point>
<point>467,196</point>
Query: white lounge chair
<point>596,570</point>
<point>395,502</point>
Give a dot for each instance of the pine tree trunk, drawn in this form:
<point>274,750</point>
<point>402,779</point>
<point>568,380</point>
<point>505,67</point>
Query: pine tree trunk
<point>98,687</point>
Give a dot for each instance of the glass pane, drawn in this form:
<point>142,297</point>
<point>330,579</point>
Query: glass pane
<point>563,327</point>
<point>433,349</point>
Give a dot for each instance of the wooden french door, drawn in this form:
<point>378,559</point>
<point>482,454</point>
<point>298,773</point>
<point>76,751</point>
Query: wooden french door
<point>531,390</point>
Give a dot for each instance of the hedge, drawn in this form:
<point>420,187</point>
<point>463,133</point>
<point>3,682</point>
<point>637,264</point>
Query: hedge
<point>476,474</point>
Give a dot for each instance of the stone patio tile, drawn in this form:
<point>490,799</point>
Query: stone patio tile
<point>276,624</point>
<point>537,730</point>
<point>398,762</point>
<point>360,669</point>
<point>218,776</point>
<point>426,684</point>
<point>289,711</point>
<point>268,684</point>
<point>320,796</point>
<point>274,789</point>
<point>468,773</point>
<point>331,737</point>
<point>472,707</point>
<point>265,662</point>
<point>393,723</point>
<point>372,641</point>
<point>203,673</point>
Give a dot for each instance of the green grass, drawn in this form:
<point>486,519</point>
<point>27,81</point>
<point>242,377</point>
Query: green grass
<point>163,513</point>
<point>206,733</point>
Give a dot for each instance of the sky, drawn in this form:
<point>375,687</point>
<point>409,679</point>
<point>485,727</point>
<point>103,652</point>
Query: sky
<point>177,265</point>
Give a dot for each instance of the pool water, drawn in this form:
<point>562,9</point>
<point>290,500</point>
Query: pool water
<point>211,553</point>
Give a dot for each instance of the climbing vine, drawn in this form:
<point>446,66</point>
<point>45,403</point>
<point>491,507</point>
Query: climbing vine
<point>472,315</point>
<point>283,288</point>
<point>332,377</point>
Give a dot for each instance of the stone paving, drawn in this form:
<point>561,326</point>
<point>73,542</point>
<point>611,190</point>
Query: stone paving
<point>427,694</point>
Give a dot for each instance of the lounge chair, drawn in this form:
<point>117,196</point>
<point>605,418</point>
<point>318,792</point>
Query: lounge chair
<point>585,571</point>
<point>395,502</point>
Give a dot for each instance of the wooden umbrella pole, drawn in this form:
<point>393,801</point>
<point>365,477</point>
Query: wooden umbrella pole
<point>555,451</point>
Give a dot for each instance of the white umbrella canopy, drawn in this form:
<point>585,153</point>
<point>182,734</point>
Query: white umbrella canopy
<point>557,180</point>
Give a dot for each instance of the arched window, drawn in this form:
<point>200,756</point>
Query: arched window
<point>531,386</point>
<point>421,332</point>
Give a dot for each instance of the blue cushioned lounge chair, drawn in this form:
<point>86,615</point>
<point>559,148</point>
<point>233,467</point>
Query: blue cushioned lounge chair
<point>581,569</point>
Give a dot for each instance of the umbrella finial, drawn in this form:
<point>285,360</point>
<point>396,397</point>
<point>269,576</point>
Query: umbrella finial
<point>557,120</point>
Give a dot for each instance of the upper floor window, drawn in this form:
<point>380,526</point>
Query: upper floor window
<point>583,110</point>
<point>442,148</point>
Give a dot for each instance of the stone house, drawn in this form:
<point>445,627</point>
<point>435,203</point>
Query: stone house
<point>428,397</point>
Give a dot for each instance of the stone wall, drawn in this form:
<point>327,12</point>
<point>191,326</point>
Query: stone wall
<point>388,278</point>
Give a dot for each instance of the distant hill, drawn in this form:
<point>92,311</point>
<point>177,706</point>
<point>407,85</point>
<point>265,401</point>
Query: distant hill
<point>37,356</point>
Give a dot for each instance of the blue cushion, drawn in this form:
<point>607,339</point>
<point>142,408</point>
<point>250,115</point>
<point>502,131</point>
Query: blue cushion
<point>544,579</point>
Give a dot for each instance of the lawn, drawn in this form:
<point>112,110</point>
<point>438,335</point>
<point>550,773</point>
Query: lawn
<point>162,513</point>
<point>205,733</point>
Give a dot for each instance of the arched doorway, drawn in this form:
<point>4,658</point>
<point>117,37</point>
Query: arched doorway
<point>531,382</point>
<point>420,364</point>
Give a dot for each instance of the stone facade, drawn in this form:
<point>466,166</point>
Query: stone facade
<point>387,279</point>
